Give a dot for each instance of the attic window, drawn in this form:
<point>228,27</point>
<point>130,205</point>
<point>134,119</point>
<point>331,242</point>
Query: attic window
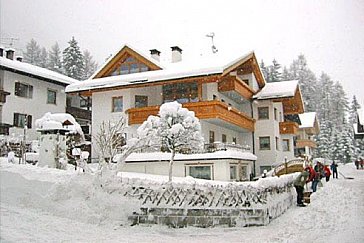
<point>129,65</point>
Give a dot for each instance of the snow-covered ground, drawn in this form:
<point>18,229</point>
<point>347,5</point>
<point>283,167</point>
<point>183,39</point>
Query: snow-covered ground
<point>49,205</point>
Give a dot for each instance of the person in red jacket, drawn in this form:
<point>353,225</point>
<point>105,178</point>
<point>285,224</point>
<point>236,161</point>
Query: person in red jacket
<point>327,173</point>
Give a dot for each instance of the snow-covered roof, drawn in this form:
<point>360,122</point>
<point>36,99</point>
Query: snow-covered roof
<point>206,65</point>
<point>56,121</point>
<point>36,71</point>
<point>160,156</point>
<point>281,89</point>
<point>307,119</point>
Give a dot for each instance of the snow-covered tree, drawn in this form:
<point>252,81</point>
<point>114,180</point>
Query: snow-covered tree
<point>354,107</point>
<point>32,54</point>
<point>110,139</point>
<point>177,128</point>
<point>275,73</point>
<point>89,64</point>
<point>43,58</point>
<point>55,59</point>
<point>264,70</point>
<point>73,60</point>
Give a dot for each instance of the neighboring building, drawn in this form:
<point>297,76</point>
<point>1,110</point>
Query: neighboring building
<point>276,109</point>
<point>220,91</point>
<point>28,92</point>
<point>359,125</point>
<point>305,144</point>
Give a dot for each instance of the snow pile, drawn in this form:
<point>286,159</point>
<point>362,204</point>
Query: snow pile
<point>50,205</point>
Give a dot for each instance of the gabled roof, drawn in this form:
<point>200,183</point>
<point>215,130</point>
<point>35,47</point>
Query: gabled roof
<point>107,67</point>
<point>308,119</point>
<point>287,92</point>
<point>211,65</point>
<point>29,69</point>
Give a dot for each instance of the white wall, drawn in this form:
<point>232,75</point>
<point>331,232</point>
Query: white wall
<point>36,106</point>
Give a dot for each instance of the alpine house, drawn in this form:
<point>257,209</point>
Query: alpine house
<point>224,93</point>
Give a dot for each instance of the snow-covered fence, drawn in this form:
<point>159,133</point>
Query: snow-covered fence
<point>205,204</point>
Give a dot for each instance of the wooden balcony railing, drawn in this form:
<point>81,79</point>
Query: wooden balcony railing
<point>234,85</point>
<point>3,95</point>
<point>301,143</point>
<point>203,110</point>
<point>288,127</point>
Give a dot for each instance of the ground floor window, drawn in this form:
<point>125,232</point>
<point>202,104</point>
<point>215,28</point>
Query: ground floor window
<point>200,171</point>
<point>265,167</point>
<point>238,172</point>
<point>285,145</point>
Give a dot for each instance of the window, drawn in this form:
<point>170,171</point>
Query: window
<point>285,145</point>
<point>277,143</point>
<point>263,112</point>
<point>264,143</point>
<point>129,65</point>
<point>246,81</point>
<point>211,137</point>
<point>141,101</point>
<point>234,140</point>
<point>23,90</point>
<point>20,120</point>
<point>51,97</point>
<point>275,114</point>
<point>223,138</point>
<point>233,172</point>
<point>182,92</point>
<point>200,172</point>
<point>117,104</point>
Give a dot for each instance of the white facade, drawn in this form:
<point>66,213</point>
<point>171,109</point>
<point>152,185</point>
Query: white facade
<point>33,91</point>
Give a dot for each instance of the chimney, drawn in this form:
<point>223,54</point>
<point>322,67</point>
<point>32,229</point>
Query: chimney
<point>19,58</point>
<point>10,53</point>
<point>1,51</point>
<point>176,54</point>
<point>155,54</point>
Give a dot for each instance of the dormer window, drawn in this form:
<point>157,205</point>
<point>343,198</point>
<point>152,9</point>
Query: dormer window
<point>130,65</point>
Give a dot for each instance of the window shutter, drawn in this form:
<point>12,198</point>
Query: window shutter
<point>16,119</point>
<point>29,121</point>
<point>30,91</point>
<point>16,90</point>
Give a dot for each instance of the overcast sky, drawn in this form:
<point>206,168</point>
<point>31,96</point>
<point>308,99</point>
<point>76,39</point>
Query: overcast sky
<point>329,33</point>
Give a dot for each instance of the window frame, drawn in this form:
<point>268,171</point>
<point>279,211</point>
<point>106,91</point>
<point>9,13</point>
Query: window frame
<point>19,120</point>
<point>260,114</point>
<point>260,143</point>
<point>140,96</point>
<point>55,96</point>
<point>286,141</point>
<point>29,90</point>
<point>113,107</point>
<point>210,171</point>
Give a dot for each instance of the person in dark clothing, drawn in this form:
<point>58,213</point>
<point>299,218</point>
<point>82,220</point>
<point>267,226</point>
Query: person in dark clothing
<point>334,170</point>
<point>299,184</point>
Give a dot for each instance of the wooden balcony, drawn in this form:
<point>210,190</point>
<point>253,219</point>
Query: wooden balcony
<point>234,87</point>
<point>288,127</point>
<point>203,110</point>
<point>79,113</point>
<point>3,95</point>
<point>301,143</point>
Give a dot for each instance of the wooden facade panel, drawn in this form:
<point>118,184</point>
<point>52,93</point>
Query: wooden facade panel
<point>203,110</point>
<point>292,105</point>
<point>288,127</point>
<point>301,143</point>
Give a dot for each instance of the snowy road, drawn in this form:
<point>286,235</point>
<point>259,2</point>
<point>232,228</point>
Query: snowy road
<point>336,214</point>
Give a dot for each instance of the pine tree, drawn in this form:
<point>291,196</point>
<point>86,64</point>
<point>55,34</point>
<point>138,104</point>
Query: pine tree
<point>275,72</point>
<point>55,62</point>
<point>338,105</point>
<point>307,81</point>
<point>73,60</point>
<point>264,70</point>
<point>285,74</point>
<point>89,64</point>
<point>354,107</point>
<point>43,58</point>
<point>32,54</point>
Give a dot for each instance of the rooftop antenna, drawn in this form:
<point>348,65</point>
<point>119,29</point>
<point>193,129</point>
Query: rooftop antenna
<point>213,47</point>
